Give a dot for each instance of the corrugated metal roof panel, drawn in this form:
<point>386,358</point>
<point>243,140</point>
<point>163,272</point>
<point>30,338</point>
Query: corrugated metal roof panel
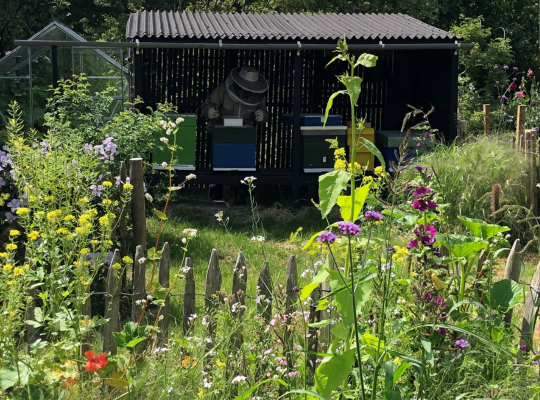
<point>271,26</point>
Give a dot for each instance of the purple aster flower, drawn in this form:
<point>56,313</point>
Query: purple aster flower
<point>442,331</point>
<point>422,191</point>
<point>462,343</point>
<point>505,67</point>
<point>327,237</point>
<point>522,346</point>
<point>372,216</point>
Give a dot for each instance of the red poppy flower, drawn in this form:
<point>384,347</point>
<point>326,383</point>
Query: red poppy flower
<point>69,382</point>
<point>94,363</point>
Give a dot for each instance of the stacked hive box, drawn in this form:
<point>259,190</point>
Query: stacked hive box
<point>234,148</point>
<point>388,143</point>
<point>186,139</point>
<point>363,155</point>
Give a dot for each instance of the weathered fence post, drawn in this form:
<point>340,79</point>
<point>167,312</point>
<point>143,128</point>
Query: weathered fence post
<point>164,279</point>
<point>138,203</point>
<point>324,332</point>
<point>519,123</point>
<point>139,294</point>
<point>189,296</point>
<point>531,310</point>
<point>264,305</point>
<point>123,226</point>
<point>462,129</point>
<point>213,285</point>
<point>314,316</point>
<point>112,304</point>
<point>512,271</point>
<point>291,297</point>
<point>487,118</point>
<point>532,148</point>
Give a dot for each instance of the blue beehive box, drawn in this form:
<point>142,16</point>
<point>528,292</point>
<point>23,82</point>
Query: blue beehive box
<point>312,120</point>
<point>234,148</point>
<point>388,143</point>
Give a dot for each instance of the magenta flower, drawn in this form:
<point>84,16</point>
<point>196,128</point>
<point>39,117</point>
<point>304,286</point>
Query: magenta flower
<point>422,191</point>
<point>462,343</point>
<point>327,237</point>
<point>437,300</point>
<point>348,228</point>
<point>412,244</point>
<point>428,296</point>
<point>421,169</point>
<point>442,331</point>
<point>522,346</point>
<point>372,216</point>
<point>420,205</point>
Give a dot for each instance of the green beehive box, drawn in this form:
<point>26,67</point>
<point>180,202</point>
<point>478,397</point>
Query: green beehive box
<point>186,139</point>
<point>318,156</point>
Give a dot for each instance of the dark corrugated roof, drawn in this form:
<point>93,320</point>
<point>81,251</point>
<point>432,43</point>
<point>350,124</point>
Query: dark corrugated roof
<point>276,26</point>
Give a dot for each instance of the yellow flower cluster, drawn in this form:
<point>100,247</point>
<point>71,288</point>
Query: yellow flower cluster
<point>106,183</point>
<point>62,231</point>
<point>11,246</point>
<point>14,232</point>
<point>128,186</point>
<point>104,221</point>
<point>17,271</point>
<point>7,267</point>
<point>33,235</point>
<point>127,260</point>
<point>69,218</point>
<point>116,266</point>
<point>340,164</point>
<point>401,253</point>
<point>53,216</point>
<point>22,211</point>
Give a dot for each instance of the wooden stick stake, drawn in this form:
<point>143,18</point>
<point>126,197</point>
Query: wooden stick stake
<point>531,310</point>
<point>520,122</point>
<point>512,271</point>
<point>139,281</point>
<point>264,305</point>
<point>112,305</point>
<point>164,279</point>
<point>138,203</point>
<point>189,296</point>
<point>213,285</point>
<point>487,118</point>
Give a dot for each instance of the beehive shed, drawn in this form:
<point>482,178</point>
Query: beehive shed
<point>418,65</point>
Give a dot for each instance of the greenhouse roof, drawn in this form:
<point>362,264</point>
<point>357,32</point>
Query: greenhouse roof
<point>54,31</point>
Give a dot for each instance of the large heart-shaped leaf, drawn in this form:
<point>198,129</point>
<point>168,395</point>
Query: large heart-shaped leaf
<point>504,295</point>
<point>332,372</point>
<point>482,229</point>
<point>331,185</point>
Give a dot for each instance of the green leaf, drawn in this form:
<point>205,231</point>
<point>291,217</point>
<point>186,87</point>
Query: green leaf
<point>330,374</point>
<point>375,151</point>
<point>344,202</point>
<point>333,143</point>
<point>312,395</point>
<point>245,395</point>
<point>323,305</point>
<point>426,344</point>
<point>482,229</point>
<point>159,214</point>
<point>372,341</point>
<point>153,254</point>
<point>320,324</point>
<point>400,371</point>
<point>340,331</point>
<point>330,102</point>
<point>353,85</point>
<point>367,60</point>
<point>388,380</point>
<point>504,295</point>
<point>331,185</point>
<point>345,304</point>
<point>317,279</point>
<point>461,246</point>
<point>38,314</point>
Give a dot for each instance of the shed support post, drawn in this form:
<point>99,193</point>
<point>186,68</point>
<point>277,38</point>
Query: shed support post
<point>54,56</point>
<point>297,153</point>
<point>137,81</point>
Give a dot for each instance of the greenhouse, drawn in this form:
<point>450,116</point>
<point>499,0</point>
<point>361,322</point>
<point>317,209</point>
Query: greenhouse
<point>29,82</point>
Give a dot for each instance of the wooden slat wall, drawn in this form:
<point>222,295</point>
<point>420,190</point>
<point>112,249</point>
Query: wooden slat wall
<point>185,77</point>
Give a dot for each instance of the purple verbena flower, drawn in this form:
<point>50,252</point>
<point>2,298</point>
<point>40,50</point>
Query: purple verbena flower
<point>349,228</point>
<point>372,216</point>
<point>462,343</point>
<point>327,237</point>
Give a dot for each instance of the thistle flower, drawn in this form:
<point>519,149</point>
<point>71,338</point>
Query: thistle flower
<point>495,198</point>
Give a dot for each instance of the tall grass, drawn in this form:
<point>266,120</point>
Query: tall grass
<point>466,173</point>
